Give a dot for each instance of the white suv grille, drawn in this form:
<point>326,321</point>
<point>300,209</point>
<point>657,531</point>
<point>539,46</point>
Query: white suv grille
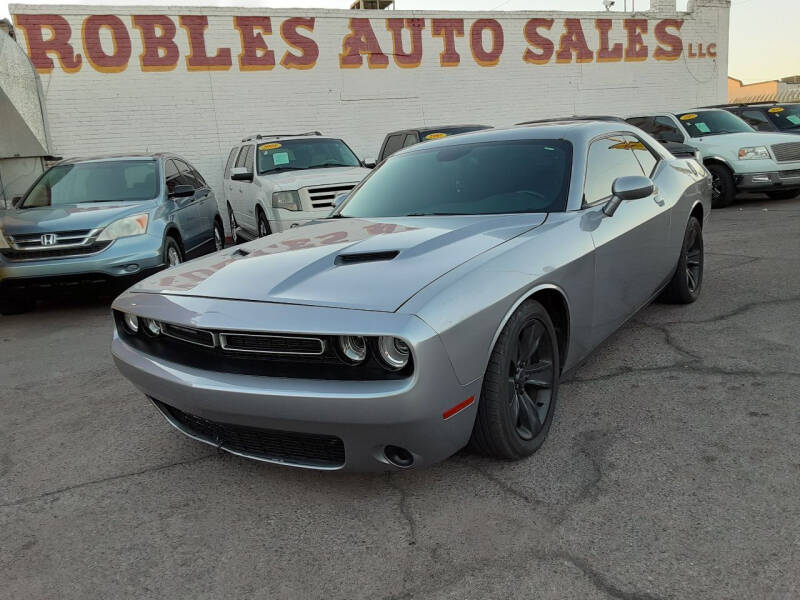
<point>323,196</point>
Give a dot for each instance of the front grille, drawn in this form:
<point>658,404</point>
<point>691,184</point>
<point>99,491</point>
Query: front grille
<point>271,344</point>
<point>62,238</point>
<point>55,252</point>
<point>305,449</point>
<point>322,197</point>
<point>789,152</point>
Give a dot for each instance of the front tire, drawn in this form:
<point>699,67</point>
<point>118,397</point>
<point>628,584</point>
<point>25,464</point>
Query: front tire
<point>219,236</point>
<point>723,187</point>
<point>520,388</point>
<point>234,227</point>
<point>173,255</point>
<point>686,283</point>
<point>263,225</point>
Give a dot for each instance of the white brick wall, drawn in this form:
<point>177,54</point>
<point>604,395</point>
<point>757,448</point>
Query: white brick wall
<point>200,114</point>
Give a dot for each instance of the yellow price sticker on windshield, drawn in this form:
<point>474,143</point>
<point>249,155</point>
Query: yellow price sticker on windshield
<point>688,117</point>
<point>777,109</point>
<point>267,147</point>
<point>435,136</point>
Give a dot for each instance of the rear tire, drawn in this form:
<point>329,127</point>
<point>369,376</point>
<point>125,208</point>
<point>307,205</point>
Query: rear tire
<point>520,388</point>
<point>723,188</point>
<point>687,282</point>
<point>783,194</point>
<point>263,225</point>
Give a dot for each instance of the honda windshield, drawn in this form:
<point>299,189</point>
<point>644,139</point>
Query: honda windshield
<point>307,153</point>
<point>518,176</point>
<point>101,181</point>
<point>713,122</point>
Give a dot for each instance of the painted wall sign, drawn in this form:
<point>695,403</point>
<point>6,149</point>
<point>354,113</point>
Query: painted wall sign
<point>106,42</point>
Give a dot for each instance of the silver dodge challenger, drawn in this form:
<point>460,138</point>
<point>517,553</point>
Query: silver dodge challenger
<point>436,308</point>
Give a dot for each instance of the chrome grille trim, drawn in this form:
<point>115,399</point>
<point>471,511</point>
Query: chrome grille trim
<point>63,240</point>
<point>323,196</point>
<point>789,152</point>
<point>226,345</point>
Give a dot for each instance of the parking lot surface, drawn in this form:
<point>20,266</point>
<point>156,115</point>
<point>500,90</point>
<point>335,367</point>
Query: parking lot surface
<point>672,470</point>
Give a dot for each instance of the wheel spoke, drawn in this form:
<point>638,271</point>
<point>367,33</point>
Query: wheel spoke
<point>528,416</point>
<point>692,280</point>
<point>539,374</point>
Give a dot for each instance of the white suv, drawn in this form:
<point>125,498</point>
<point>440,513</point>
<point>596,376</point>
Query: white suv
<point>738,157</point>
<point>274,182</point>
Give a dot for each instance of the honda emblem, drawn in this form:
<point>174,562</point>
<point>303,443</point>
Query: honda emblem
<point>49,239</point>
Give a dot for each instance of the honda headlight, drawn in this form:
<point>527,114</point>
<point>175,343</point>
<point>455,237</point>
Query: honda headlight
<point>287,200</point>
<point>754,153</point>
<point>127,227</point>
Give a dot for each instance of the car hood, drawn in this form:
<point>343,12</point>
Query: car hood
<point>294,180</point>
<point>69,217</point>
<point>734,141</point>
<point>348,263</point>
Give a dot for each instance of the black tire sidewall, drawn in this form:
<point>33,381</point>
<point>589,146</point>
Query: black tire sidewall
<point>728,186</point>
<point>262,218</point>
<point>233,224</point>
<point>218,228</point>
<point>171,243</point>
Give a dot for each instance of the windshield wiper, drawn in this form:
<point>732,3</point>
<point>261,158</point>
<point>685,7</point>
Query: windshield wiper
<point>328,164</point>
<point>279,169</point>
<point>435,214</point>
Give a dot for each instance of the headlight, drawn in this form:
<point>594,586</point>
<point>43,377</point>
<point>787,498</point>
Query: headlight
<point>3,242</point>
<point>131,323</point>
<point>754,153</point>
<point>394,352</point>
<point>287,200</point>
<point>353,348</point>
<point>127,227</point>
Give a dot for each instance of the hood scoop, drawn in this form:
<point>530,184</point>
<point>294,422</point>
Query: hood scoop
<point>365,257</point>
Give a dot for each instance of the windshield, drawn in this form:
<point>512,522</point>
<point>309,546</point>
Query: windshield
<point>288,155</point>
<point>785,117</point>
<point>469,179</point>
<point>110,181</point>
<point>713,122</point>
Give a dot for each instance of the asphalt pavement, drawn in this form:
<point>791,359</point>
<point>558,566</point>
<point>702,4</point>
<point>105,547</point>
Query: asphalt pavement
<point>672,470</point>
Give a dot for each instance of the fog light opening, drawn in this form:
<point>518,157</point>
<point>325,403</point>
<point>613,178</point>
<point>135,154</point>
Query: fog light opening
<point>399,457</point>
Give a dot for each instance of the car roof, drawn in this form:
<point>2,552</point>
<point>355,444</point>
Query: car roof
<point>113,157</point>
<point>610,118</point>
<point>674,113</point>
<point>575,131</point>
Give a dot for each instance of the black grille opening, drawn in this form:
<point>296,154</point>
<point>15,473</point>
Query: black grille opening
<point>55,252</point>
<point>194,336</point>
<point>362,257</point>
<point>272,344</point>
<point>290,447</point>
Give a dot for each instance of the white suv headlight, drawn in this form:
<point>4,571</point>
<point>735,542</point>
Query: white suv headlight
<point>754,153</point>
<point>126,227</point>
<point>287,200</point>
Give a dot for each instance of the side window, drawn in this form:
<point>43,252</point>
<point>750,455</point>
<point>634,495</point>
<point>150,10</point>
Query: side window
<point>248,159</point>
<point>609,158</point>
<point>410,140</point>
<point>647,160</point>
<point>640,122</point>
<point>665,130</point>
<point>242,156</point>
<point>171,176</point>
<point>393,144</point>
<point>229,164</point>
<point>757,120</point>
<point>188,175</point>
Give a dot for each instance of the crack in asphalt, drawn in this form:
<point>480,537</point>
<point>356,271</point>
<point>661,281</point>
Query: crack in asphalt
<point>735,312</point>
<point>411,541</point>
<point>70,488</point>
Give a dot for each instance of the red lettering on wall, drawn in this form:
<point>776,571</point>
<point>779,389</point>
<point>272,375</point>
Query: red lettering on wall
<point>573,41</point>
<point>308,47</point>
<point>486,58</point>
<point>711,50</point>
<point>403,59</point>
<point>198,59</point>
<point>115,62</point>
<point>448,30</point>
<point>58,44</point>
<point>255,55</point>
<point>362,40</point>
<point>159,50</point>
<point>673,43</point>
<point>606,53</point>
<point>636,50</point>
<point>537,40</point>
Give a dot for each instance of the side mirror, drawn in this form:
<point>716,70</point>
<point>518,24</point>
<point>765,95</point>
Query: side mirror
<point>16,201</point>
<point>241,174</point>
<point>370,163</point>
<point>182,191</point>
<point>628,188</point>
<point>339,199</point>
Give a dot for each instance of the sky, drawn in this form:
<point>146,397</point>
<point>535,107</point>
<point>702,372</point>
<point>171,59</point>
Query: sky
<point>763,42</point>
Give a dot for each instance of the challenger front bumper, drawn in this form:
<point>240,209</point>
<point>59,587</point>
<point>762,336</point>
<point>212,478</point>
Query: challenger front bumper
<point>413,413</point>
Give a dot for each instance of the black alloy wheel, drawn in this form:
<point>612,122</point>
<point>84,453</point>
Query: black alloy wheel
<point>687,282</point>
<point>520,388</point>
<point>723,187</point>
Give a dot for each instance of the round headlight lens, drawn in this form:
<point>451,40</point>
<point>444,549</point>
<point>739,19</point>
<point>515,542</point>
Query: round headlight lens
<point>152,327</point>
<point>131,323</point>
<point>354,348</point>
<point>394,352</point>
